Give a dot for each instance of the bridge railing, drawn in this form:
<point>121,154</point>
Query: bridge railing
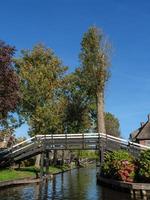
<point>77,141</point>
<point>65,141</point>
<point>61,138</point>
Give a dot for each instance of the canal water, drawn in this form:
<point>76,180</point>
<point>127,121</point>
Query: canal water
<point>78,184</point>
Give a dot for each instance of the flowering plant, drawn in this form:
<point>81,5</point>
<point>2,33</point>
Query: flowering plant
<point>119,165</point>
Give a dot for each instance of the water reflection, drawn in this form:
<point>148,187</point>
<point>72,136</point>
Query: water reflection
<point>77,184</point>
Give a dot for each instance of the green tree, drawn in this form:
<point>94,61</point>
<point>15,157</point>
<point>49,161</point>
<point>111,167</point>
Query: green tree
<point>77,118</point>
<point>112,125</point>
<point>94,56</point>
<point>41,80</point>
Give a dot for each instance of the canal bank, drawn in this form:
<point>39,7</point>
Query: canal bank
<point>136,190</point>
<point>11,177</point>
<point>25,175</point>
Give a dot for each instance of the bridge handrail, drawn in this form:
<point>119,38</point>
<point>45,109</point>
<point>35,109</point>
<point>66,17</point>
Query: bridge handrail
<point>28,145</point>
<point>30,141</point>
<point>25,141</point>
<point>19,145</point>
<point>115,139</point>
<point>23,144</point>
<point>139,145</point>
<point>64,135</point>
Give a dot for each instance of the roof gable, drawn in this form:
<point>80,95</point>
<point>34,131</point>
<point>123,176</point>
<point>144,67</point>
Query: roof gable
<point>144,132</point>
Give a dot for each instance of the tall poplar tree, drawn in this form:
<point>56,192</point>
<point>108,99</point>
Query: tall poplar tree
<point>94,56</point>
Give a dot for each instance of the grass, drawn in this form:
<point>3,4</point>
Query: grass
<point>90,154</point>
<point>11,174</point>
<point>59,169</point>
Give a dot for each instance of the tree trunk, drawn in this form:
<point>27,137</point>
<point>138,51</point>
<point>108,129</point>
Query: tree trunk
<point>100,113</point>
<point>37,162</point>
<point>55,157</point>
<point>101,121</point>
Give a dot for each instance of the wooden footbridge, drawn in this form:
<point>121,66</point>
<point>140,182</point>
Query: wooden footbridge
<point>45,143</point>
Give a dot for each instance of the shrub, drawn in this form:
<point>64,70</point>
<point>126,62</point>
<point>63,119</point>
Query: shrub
<point>118,165</point>
<point>143,169</point>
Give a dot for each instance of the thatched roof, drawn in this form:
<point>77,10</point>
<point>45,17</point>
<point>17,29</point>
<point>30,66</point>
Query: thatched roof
<point>134,134</point>
<point>142,133</point>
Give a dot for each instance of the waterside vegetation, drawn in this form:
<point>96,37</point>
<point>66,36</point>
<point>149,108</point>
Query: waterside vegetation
<point>121,166</point>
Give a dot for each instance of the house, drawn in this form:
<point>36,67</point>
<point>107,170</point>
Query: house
<point>142,134</point>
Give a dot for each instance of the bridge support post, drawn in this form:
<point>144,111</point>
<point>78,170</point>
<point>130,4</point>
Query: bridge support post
<point>42,165</point>
<point>102,155</point>
<point>47,162</point>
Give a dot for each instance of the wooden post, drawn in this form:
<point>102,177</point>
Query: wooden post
<point>55,157</point>
<point>47,162</point>
<point>132,192</point>
<point>82,141</point>
<point>102,154</point>
<point>99,148</point>
<point>52,141</point>
<point>66,143</point>
<point>62,160</point>
<point>42,165</point>
<point>144,194</point>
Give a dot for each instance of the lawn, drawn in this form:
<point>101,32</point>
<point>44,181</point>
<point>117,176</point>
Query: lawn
<point>11,174</point>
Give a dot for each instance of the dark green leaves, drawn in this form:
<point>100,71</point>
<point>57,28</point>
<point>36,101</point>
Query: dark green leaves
<point>9,83</point>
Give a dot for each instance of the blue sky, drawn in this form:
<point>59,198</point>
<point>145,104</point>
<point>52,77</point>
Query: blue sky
<point>60,24</point>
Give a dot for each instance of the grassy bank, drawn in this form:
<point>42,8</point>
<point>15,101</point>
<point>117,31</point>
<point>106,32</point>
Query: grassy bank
<point>13,174</point>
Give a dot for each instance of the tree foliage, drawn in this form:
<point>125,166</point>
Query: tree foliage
<point>112,125</point>
<point>111,121</point>
<point>41,80</point>
<point>77,118</point>
<point>94,71</point>
<point>9,84</point>
<point>94,60</point>
<point>143,167</point>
